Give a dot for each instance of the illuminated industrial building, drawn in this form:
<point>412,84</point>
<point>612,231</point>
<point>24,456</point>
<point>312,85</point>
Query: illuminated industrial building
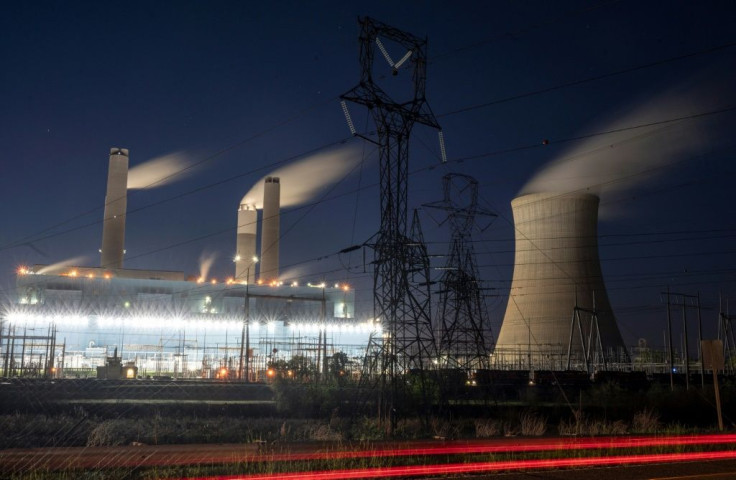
<point>168,324</point>
<point>171,326</point>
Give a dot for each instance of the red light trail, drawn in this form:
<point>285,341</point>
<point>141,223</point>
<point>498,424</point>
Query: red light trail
<point>505,465</point>
<point>527,445</point>
<point>482,467</point>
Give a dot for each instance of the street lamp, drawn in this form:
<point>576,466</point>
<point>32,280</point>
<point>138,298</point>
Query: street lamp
<point>245,337</point>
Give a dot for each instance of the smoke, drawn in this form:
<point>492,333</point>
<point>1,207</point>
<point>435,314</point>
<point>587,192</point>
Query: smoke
<point>159,171</point>
<point>623,160</point>
<point>206,259</point>
<point>293,274</point>
<point>59,266</point>
<point>302,180</point>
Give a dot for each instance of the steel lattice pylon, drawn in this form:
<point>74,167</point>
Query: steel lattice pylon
<point>401,273</point>
<point>465,337</point>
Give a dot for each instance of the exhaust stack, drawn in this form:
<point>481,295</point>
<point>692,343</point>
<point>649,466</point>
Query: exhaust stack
<point>116,202</point>
<point>245,268</point>
<point>270,230</point>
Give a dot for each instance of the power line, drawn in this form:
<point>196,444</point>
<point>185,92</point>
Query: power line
<point>588,80</point>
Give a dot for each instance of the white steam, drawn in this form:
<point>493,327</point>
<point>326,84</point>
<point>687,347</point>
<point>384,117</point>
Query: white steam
<point>302,180</point>
<point>159,171</point>
<point>622,160</point>
<point>60,266</point>
<point>206,259</point>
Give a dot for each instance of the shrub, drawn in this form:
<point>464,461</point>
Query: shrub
<point>533,425</point>
<point>645,421</point>
<point>485,428</point>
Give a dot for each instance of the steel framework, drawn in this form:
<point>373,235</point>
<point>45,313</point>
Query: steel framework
<point>401,273</point>
<point>465,337</point>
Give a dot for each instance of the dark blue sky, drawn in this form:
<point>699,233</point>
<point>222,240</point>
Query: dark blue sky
<point>237,86</point>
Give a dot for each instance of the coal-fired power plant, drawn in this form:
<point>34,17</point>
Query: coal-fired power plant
<point>269,270</point>
<point>232,329</point>
<point>558,310</point>
<point>116,201</point>
<point>245,249</point>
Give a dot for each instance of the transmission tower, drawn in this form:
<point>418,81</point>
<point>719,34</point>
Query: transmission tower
<point>465,336</point>
<point>401,273</point>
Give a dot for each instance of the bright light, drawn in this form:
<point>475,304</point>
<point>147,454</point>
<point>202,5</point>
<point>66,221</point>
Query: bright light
<point>73,273</point>
<point>23,271</point>
<point>213,281</point>
<point>237,258</point>
<point>270,372</point>
<point>294,284</point>
<point>200,280</point>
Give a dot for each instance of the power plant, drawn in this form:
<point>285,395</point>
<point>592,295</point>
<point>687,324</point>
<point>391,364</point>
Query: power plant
<point>558,310</point>
<point>558,316</point>
<point>166,323</point>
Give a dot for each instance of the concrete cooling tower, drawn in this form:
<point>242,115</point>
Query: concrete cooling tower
<point>116,202</point>
<point>557,269</point>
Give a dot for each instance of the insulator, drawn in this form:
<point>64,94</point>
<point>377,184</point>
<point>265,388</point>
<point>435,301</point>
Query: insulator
<point>385,53</point>
<point>403,59</point>
<point>443,152</point>
<point>347,116</point>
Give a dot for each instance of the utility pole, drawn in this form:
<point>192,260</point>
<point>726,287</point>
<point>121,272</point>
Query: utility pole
<point>685,301</point>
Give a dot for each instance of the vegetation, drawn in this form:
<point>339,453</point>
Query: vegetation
<point>332,407</point>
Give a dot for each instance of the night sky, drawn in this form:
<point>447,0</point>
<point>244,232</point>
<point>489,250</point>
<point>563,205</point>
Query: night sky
<point>239,89</point>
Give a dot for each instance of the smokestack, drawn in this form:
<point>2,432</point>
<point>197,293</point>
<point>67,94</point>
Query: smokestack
<point>270,230</point>
<point>245,268</point>
<point>556,268</point>
<point>116,201</point>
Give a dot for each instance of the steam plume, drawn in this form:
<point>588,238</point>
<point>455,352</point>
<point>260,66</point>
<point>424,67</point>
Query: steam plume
<point>303,179</point>
<point>59,266</point>
<point>158,171</point>
<point>619,161</point>
<point>206,259</point>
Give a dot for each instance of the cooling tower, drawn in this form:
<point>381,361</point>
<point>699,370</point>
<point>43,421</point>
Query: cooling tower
<point>269,270</point>
<point>116,201</point>
<point>556,269</point>
<point>246,243</point>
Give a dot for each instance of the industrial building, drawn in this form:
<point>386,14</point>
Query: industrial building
<point>69,320</point>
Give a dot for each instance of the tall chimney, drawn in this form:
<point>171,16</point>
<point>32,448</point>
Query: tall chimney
<point>245,268</point>
<point>270,230</point>
<point>116,201</point>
